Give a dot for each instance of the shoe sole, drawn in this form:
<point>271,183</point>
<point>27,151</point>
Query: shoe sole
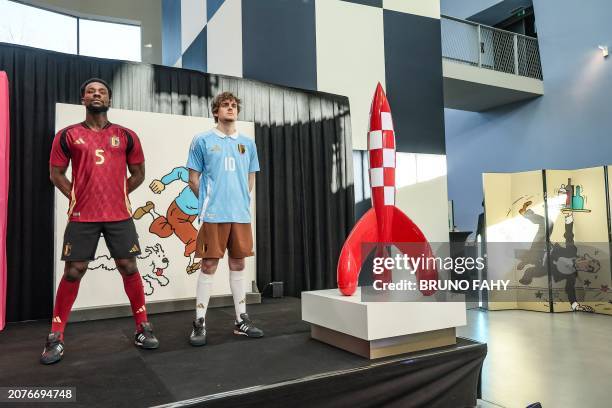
<point>54,361</point>
<point>142,346</point>
<point>196,344</point>
<point>239,333</point>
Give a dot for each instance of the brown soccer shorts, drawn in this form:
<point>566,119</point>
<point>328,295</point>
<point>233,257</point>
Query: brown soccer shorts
<point>214,238</point>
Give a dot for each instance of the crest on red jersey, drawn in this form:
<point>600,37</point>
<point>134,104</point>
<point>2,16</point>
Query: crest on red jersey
<point>115,141</point>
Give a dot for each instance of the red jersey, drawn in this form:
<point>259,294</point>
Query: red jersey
<point>99,170</point>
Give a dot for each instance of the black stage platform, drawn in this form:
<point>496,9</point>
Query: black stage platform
<point>285,368</point>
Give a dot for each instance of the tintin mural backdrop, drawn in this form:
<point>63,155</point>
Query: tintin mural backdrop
<point>164,211</point>
<point>505,195</point>
<point>548,233</point>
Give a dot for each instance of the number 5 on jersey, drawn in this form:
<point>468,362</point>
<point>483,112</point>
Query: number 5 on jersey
<point>99,156</point>
<point>230,164</point>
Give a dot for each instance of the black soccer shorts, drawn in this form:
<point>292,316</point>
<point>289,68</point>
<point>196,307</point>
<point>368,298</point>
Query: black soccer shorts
<point>81,240</point>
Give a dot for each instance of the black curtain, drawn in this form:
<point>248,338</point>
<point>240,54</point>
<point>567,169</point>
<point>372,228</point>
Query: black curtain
<point>305,207</point>
<point>304,197</point>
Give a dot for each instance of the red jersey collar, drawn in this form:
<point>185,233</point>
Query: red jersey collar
<point>85,125</point>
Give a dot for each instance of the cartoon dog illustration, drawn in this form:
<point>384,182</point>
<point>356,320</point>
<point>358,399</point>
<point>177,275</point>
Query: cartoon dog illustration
<point>180,215</point>
<point>151,265</point>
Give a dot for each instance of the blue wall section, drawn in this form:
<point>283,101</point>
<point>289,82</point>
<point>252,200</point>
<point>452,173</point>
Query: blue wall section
<point>194,57</point>
<point>171,31</point>
<point>569,127</point>
<point>211,8</point>
<point>413,64</point>
<point>279,42</point>
<point>465,8</point>
<point>374,3</point>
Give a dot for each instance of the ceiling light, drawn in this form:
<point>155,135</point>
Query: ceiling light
<point>604,50</point>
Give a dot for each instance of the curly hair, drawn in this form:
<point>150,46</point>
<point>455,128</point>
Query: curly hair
<point>222,97</point>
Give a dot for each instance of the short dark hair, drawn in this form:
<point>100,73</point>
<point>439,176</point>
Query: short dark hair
<point>223,96</point>
<point>103,82</point>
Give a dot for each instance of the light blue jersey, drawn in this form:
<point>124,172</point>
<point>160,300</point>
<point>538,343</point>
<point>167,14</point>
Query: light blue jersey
<point>186,200</point>
<point>225,163</point>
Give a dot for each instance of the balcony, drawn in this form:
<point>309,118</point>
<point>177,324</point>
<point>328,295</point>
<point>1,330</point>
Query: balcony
<point>485,67</point>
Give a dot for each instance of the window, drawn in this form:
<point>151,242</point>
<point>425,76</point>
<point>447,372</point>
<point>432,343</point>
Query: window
<point>109,40</point>
<point>35,27</point>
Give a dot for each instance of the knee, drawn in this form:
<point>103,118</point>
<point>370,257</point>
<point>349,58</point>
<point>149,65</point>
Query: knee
<point>126,267</point>
<point>75,271</point>
<point>236,264</point>
<point>209,266</point>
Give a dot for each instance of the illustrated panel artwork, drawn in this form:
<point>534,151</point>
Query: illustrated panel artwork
<point>580,254</point>
<point>164,211</point>
<point>515,233</point>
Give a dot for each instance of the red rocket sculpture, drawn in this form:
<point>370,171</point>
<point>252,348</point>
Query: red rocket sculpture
<point>384,224</point>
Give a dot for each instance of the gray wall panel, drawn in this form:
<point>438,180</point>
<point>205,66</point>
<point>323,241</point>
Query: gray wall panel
<point>279,42</point>
<point>413,62</point>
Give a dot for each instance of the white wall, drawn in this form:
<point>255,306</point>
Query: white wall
<point>351,68</point>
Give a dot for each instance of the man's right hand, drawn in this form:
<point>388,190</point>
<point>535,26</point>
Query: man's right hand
<point>157,186</point>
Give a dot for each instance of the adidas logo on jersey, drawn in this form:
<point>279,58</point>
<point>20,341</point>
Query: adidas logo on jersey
<point>134,249</point>
<point>79,141</point>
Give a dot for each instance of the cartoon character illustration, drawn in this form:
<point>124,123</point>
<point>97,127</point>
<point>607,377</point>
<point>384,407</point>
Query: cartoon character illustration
<point>566,264</point>
<point>179,216</point>
<point>151,265</point>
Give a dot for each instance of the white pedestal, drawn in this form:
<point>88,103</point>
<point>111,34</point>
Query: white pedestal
<point>379,329</point>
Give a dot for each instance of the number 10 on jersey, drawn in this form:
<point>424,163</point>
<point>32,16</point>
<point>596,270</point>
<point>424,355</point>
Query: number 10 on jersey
<point>230,164</point>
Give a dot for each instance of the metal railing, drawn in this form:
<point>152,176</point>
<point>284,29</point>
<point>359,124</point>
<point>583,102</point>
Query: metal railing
<point>482,46</point>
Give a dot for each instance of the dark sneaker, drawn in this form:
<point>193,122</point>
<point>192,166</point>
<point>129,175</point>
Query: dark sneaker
<point>54,349</point>
<point>246,328</point>
<point>146,339</point>
<point>198,334</point>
